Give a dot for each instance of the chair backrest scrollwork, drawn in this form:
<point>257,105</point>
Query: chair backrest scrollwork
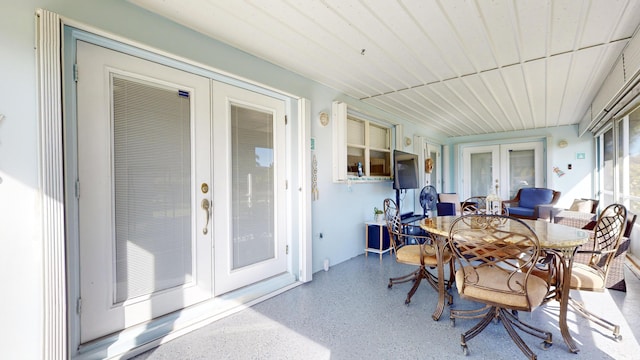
<point>497,241</point>
<point>607,234</point>
<point>394,225</point>
<point>478,205</point>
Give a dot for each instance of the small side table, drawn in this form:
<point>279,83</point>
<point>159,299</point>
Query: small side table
<point>376,238</point>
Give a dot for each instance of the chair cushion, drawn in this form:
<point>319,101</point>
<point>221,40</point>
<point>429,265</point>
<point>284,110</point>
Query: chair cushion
<point>446,209</point>
<point>584,277</point>
<point>520,211</point>
<point>581,205</point>
<point>492,288</point>
<point>450,198</point>
<point>410,254</point>
<point>531,197</point>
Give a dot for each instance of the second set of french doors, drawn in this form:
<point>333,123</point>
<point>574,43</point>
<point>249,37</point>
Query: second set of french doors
<point>180,189</point>
<point>509,166</point>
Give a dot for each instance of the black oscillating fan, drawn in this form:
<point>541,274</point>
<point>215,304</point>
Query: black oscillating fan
<point>428,199</point>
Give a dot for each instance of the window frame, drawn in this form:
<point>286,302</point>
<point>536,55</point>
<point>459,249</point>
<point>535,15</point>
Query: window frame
<point>622,167</point>
<point>343,142</point>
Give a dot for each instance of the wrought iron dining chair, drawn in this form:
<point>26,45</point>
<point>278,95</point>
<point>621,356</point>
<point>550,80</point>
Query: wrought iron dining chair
<point>423,253</point>
<point>592,274</point>
<point>495,255</point>
<point>615,277</point>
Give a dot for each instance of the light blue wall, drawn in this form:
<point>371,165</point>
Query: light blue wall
<point>339,213</point>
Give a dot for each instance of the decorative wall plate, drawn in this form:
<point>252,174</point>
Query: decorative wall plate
<point>324,119</point>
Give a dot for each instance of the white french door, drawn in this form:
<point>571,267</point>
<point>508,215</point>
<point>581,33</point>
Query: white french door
<point>144,138</point>
<point>430,167</point>
<point>250,219</point>
<point>481,166</point>
<point>181,189</point>
<point>509,166</point>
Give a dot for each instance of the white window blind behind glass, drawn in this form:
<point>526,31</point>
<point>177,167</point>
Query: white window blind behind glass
<point>152,174</point>
<point>253,195</point>
<point>481,170</point>
<point>521,170</point>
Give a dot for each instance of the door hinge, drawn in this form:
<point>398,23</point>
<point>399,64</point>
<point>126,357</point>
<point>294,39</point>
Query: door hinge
<point>79,306</point>
<point>287,250</point>
<point>286,184</point>
<point>77,189</point>
<point>75,72</point>
<point>286,120</point>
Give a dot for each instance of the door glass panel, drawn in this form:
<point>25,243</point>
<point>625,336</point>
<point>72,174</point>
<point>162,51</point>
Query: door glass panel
<point>433,172</point>
<point>252,186</point>
<point>481,173</point>
<point>521,169</point>
<point>608,167</point>
<point>152,171</point>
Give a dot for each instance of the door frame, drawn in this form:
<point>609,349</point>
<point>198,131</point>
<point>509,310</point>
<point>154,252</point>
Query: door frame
<point>423,146</point>
<point>55,36</point>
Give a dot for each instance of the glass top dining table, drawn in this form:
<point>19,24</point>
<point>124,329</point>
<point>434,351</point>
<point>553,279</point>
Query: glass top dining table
<point>550,235</point>
<point>561,239</point>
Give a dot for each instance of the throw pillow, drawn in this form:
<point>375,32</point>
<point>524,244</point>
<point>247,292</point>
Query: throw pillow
<point>581,205</point>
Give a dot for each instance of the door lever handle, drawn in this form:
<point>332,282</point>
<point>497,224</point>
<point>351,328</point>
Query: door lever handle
<point>206,206</point>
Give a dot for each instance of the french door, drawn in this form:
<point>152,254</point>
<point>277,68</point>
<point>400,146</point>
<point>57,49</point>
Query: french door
<point>481,170</point>
<point>430,167</point>
<point>249,215</point>
<point>162,225</point>
<point>508,167</point>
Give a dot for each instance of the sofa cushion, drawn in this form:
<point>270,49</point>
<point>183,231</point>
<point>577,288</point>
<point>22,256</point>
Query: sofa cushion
<point>529,198</point>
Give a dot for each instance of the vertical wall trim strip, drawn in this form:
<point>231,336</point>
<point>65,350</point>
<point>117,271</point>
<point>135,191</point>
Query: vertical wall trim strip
<point>304,166</point>
<point>48,48</point>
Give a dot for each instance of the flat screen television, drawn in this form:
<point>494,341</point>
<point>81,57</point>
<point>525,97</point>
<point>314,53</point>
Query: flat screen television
<point>405,170</point>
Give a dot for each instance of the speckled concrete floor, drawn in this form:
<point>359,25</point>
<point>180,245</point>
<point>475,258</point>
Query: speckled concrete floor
<point>349,313</point>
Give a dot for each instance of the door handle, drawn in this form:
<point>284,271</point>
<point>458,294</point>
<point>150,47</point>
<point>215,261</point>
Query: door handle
<point>206,206</point>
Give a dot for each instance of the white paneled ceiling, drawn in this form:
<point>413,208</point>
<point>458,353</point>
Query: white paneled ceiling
<point>460,67</point>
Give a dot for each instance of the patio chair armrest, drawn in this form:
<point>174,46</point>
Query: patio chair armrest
<point>510,202</point>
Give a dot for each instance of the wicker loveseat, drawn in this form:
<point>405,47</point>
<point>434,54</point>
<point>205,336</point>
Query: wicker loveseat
<point>532,203</point>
